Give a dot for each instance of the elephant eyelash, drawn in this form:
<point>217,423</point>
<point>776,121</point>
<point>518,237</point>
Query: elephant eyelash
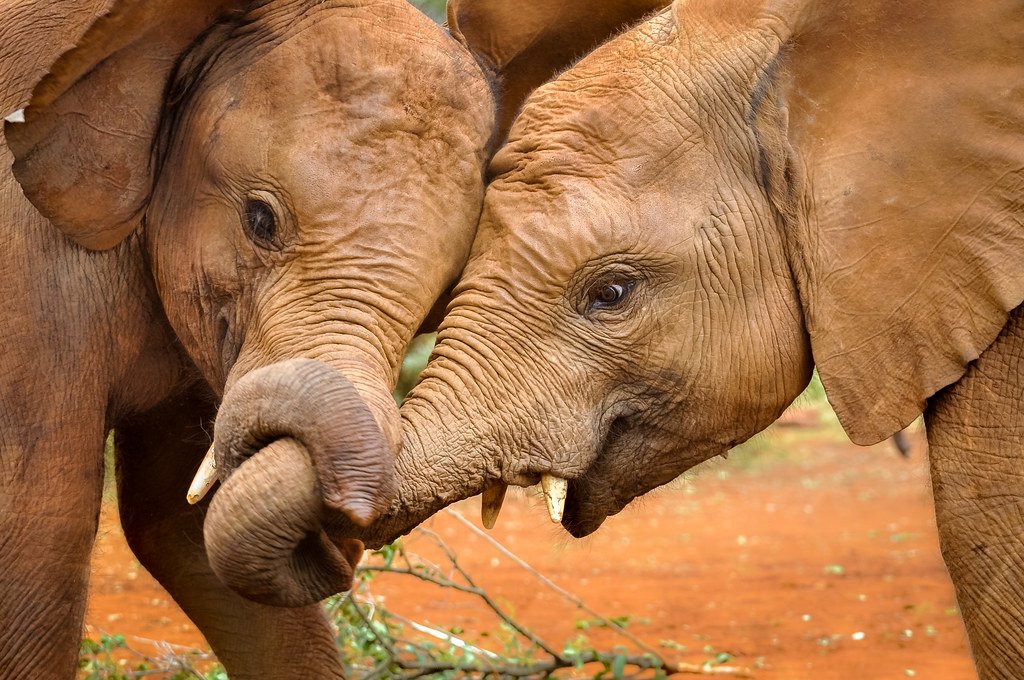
<point>605,286</point>
<point>260,222</point>
<point>610,293</point>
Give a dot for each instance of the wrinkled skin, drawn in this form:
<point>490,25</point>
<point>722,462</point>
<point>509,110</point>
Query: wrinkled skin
<point>227,204</point>
<point>686,221</point>
<point>33,35</point>
<point>280,551</point>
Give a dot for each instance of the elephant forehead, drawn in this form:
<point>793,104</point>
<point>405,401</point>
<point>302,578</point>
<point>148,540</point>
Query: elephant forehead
<point>367,63</point>
<point>342,103</point>
<point>546,237</point>
<point>380,62</point>
<point>384,49</point>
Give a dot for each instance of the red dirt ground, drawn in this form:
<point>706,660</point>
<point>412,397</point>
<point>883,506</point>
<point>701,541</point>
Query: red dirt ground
<point>803,556</point>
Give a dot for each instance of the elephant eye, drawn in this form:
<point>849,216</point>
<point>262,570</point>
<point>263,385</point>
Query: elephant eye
<point>609,295</point>
<point>260,223</point>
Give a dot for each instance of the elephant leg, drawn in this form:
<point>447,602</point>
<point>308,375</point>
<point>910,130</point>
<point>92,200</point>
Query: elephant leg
<point>976,439</point>
<point>157,455</point>
<point>50,495</point>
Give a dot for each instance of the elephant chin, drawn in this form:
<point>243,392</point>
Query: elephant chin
<point>299,450</point>
<point>586,508</point>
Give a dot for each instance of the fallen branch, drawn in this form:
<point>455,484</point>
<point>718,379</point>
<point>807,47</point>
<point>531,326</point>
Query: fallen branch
<point>551,585</point>
<point>408,660</point>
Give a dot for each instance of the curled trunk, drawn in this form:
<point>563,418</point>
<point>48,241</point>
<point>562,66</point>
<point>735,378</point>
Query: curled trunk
<point>440,463</point>
<point>298,448</point>
<point>443,460</point>
<point>290,561</point>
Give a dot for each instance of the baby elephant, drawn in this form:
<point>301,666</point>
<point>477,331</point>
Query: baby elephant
<point>250,202</point>
<point>688,219</point>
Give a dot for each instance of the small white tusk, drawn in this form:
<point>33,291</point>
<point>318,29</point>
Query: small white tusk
<point>204,480</point>
<point>490,503</point>
<point>555,491</point>
<point>16,117</point>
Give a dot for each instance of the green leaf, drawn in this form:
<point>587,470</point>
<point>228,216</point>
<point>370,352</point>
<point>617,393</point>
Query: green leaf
<point>619,666</point>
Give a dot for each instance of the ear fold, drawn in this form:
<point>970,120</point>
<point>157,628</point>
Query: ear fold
<point>82,154</point>
<point>907,119</point>
<point>33,34</point>
<point>526,43</point>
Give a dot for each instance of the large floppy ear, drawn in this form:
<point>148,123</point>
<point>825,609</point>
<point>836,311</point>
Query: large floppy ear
<point>82,154</point>
<point>907,122</point>
<point>32,35</point>
<point>526,43</point>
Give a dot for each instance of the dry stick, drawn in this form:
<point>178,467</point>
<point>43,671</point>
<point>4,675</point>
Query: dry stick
<point>678,667</point>
<point>442,582</point>
<point>423,668</point>
<point>549,583</point>
<point>651,660</point>
<point>536,640</point>
<point>453,640</point>
<point>386,640</point>
<point>172,658</point>
<point>433,574</point>
<point>518,671</point>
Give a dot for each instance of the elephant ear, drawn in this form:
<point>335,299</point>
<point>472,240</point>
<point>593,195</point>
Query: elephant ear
<point>82,154</point>
<point>907,119</point>
<point>526,43</point>
<point>32,35</point>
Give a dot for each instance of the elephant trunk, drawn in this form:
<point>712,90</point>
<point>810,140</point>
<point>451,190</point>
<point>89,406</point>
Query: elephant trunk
<point>462,436</point>
<point>443,459</point>
<point>298,448</point>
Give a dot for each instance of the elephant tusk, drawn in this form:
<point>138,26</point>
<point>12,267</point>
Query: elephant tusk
<point>490,503</point>
<point>204,480</point>
<point>555,491</point>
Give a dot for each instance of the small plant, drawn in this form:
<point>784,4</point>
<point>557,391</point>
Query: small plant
<point>111,658</point>
<point>376,643</point>
<point>96,659</point>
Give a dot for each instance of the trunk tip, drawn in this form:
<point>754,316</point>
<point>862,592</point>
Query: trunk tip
<point>360,510</point>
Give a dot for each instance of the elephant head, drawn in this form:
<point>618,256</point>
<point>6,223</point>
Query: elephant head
<point>688,219</point>
<point>302,181</point>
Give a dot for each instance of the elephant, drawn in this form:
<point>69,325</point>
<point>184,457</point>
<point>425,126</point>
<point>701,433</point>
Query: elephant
<point>215,203</point>
<point>685,222</point>
<point>238,214</point>
<point>518,47</point>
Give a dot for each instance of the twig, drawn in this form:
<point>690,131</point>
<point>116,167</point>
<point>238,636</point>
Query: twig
<point>172,657</point>
<point>678,667</point>
<point>431,573</point>
<point>619,628</point>
<point>453,640</point>
<point>544,667</point>
<point>535,639</point>
<point>423,576</point>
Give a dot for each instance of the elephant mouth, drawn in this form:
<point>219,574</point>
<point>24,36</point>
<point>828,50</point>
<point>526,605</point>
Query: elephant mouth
<point>579,502</point>
<point>624,471</point>
<point>628,464</point>
<point>228,343</point>
<point>590,500</point>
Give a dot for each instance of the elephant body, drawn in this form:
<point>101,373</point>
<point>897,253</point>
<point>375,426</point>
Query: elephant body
<point>55,399</point>
<point>685,222</point>
<point>205,196</point>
